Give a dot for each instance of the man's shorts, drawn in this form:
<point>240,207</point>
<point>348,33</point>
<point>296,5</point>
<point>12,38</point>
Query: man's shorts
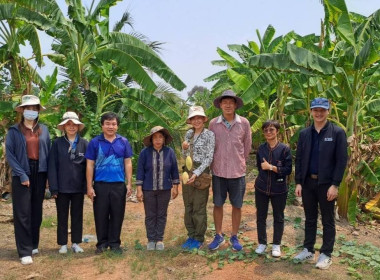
<point>235,188</point>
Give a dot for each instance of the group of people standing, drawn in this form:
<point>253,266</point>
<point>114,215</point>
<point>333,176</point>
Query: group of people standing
<point>102,168</point>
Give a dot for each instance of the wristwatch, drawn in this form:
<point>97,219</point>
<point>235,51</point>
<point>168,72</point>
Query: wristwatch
<point>271,167</point>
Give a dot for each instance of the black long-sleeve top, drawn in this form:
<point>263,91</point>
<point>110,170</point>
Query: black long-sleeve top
<point>332,158</point>
<point>270,182</point>
<point>65,174</point>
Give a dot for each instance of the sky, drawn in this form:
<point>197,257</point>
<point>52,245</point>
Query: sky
<point>193,30</point>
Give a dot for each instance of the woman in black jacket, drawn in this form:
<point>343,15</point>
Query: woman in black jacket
<point>67,179</point>
<point>274,162</point>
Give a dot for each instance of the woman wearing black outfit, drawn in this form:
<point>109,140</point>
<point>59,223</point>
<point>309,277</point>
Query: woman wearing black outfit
<point>27,149</point>
<point>274,162</point>
<point>67,179</point>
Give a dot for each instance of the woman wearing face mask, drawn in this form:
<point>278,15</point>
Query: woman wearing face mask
<point>67,180</point>
<point>27,148</point>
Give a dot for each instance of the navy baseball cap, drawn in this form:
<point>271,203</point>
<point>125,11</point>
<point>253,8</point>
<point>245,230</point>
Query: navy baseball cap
<point>320,102</point>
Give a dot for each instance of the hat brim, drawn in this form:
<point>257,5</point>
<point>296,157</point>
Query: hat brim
<point>320,106</point>
<point>197,114</point>
<point>239,101</point>
<point>148,139</point>
<point>61,125</point>
<point>19,108</point>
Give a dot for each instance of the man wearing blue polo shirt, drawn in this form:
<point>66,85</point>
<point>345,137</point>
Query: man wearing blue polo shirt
<point>108,163</point>
<point>321,159</point>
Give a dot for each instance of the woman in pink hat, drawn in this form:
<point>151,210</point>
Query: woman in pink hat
<point>67,180</point>
<point>27,149</point>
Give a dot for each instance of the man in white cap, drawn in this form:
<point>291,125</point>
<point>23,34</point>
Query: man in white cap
<point>233,142</point>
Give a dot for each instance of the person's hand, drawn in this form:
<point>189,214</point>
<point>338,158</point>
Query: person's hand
<point>129,190</point>
<point>26,183</point>
<point>91,194</point>
<point>332,193</point>
<point>139,194</point>
<point>174,192</point>
<point>298,190</point>
<point>192,179</point>
<point>185,145</point>
<point>265,165</point>
<point>54,196</point>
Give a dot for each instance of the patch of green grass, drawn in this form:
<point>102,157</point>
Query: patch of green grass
<point>358,257</point>
<point>291,195</point>
<point>49,222</point>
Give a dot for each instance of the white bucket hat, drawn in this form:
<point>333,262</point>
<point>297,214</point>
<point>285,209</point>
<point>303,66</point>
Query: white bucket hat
<point>29,100</point>
<point>196,111</point>
<point>70,116</point>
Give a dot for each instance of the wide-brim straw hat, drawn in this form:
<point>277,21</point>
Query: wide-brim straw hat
<point>29,100</point>
<point>70,116</point>
<point>196,111</point>
<point>228,93</point>
<point>148,139</point>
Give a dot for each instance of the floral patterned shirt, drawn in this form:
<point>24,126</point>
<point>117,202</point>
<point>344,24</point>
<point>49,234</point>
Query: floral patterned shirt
<point>203,149</point>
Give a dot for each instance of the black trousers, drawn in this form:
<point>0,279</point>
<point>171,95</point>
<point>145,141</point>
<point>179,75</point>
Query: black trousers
<point>278,205</point>
<point>74,202</point>
<point>312,196</point>
<point>27,209</point>
<point>156,211</point>
<point>109,208</point>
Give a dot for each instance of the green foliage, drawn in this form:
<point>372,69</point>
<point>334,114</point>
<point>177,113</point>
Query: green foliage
<point>359,257</point>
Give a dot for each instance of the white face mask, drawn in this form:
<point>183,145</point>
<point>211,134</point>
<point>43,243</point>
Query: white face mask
<point>30,115</point>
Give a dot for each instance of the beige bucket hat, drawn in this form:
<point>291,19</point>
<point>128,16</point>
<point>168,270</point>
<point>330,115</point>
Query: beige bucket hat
<point>70,116</point>
<point>196,111</point>
<point>148,139</point>
<point>28,100</point>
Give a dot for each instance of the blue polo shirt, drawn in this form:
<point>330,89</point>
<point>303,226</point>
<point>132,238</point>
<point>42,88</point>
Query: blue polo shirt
<point>109,158</point>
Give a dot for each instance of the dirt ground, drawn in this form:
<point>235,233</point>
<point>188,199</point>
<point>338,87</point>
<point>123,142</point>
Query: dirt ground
<point>173,263</point>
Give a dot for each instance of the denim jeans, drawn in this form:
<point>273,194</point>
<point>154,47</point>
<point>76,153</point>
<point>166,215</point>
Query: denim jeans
<point>156,210</point>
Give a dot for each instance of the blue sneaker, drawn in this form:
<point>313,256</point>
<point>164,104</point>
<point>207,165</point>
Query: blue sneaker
<point>236,246</point>
<point>195,245</point>
<point>188,243</point>
<point>218,240</point>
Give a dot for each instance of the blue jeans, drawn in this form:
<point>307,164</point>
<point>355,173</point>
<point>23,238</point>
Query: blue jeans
<point>156,210</point>
<point>235,188</point>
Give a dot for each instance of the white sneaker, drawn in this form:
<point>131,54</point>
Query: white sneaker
<point>26,260</point>
<point>261,249</point>
<point>160,246</point>
<point>63,249</point>
<point>76,248</point>
<point>276,251</point>
<point>151,246</point>
<point>35,251</point>
<point>305,255</point>
<point>323,262</point>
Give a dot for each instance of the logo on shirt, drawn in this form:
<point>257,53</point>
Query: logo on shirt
<point>81,154</point>
<point>328,139</point>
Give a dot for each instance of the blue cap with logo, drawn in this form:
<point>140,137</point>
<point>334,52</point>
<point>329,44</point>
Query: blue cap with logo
<point>320,102</point>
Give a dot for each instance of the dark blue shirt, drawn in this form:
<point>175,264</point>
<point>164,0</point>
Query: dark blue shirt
<point>314,152</point>
<point>109,158</point>
<point>157,170</point>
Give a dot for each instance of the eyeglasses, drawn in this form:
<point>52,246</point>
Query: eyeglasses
<point>269,130</point>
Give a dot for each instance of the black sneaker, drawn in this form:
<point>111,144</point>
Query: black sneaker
<point>100,250</point>
<point>117,250</point>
